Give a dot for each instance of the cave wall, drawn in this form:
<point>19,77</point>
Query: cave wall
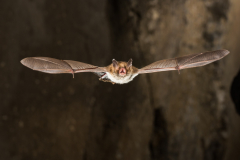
<point>157,116</point>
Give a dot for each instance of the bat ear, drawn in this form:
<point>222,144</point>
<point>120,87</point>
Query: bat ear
<point>129,63</point>
<point>115,63</point>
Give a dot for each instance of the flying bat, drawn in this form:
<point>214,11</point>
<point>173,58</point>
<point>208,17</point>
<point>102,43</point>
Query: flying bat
<point>122,72</point>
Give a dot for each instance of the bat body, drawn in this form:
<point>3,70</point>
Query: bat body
<point>122,72</point>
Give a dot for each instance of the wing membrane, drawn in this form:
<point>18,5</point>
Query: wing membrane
<point>56,66</point>
<point>189,61</point>
<point>84,67</point>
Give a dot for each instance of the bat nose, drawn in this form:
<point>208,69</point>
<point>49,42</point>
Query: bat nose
<point>122,71</point>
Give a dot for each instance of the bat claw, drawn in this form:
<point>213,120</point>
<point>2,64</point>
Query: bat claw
<point>72,73</point>
<point>178,68</point>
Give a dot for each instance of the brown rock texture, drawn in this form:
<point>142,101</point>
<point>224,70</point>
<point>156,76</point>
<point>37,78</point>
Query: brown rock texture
<point>163,115</point>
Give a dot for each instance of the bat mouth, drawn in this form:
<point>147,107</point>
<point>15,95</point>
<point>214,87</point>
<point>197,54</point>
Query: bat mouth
<point>122,71</point>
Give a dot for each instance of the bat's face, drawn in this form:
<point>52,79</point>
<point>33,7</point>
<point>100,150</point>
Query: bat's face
<point>121,69</point>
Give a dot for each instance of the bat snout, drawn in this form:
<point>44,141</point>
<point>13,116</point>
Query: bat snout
<point>122,71</point>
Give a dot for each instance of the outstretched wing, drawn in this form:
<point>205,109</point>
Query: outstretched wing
<point>189,61</point>
<point>56,66</point>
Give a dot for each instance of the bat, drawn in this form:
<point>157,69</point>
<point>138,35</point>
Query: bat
<point>122,72</point>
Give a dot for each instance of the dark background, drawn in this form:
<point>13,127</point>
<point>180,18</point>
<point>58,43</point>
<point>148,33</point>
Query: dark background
<point>157,116</point>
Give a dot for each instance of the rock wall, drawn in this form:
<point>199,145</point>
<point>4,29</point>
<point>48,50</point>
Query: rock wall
<point>157,116</point>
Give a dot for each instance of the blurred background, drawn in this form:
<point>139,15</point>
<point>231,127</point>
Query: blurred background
<point>164,115</point>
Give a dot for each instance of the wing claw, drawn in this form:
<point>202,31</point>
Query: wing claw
<point>178,68</point>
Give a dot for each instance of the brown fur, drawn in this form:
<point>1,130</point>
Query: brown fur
<point>115,70</point>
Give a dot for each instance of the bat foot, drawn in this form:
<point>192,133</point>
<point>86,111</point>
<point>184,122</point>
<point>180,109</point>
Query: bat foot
<point>106,80</point>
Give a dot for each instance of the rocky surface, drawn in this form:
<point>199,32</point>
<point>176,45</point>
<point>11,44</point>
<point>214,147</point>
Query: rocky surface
<point>157,116</point>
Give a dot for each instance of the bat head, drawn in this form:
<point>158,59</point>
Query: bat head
<point>121,68</point>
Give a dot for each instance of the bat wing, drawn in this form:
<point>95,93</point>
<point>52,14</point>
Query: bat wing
<point>188,61</point>
<point>56,66</point>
